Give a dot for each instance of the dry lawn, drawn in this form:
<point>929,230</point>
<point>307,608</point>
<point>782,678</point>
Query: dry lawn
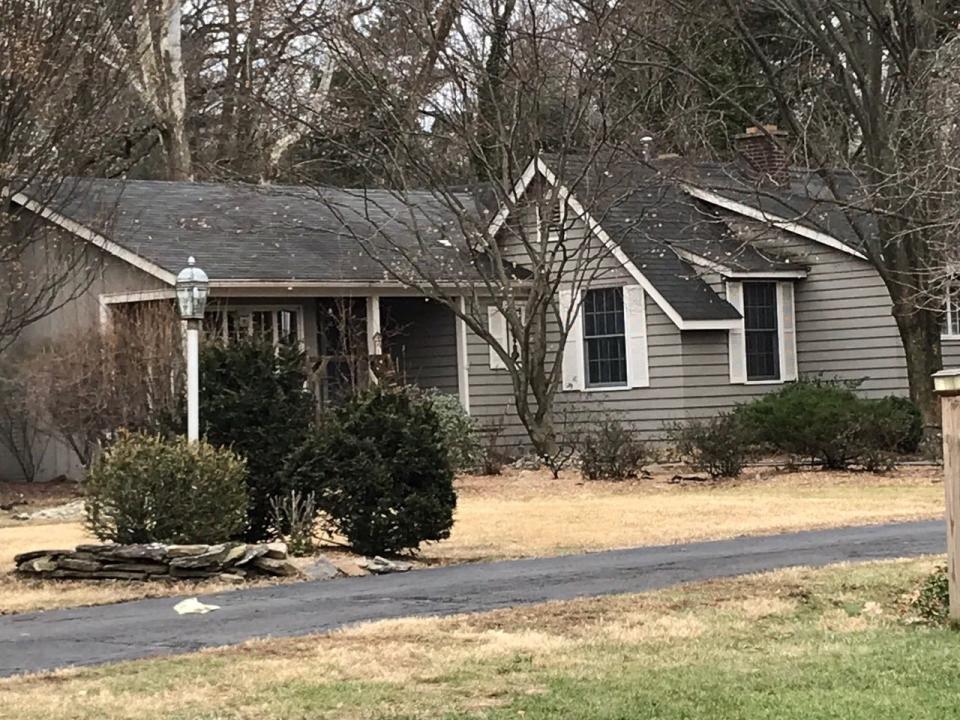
<point>527,513</point>
<point>792,644</point>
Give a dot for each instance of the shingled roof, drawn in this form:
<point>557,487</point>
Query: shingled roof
<point>273,233</point>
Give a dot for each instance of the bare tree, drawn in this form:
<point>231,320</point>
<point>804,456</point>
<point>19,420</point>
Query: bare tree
<point>508,80</point>
<point>896,180</point>
<point>56,115</point>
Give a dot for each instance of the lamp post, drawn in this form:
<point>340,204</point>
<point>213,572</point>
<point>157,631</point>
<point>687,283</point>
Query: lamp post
<point>192,289</point>
<point>946,383</point>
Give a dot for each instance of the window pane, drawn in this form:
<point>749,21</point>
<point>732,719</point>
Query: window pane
<point>238,325</point>
<point>761,330</point>
<point>288,327</point>
<point>603,332</point>
<point>262,325</point>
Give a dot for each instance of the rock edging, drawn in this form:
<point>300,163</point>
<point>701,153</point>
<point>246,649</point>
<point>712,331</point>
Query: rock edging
<point>234,562</point>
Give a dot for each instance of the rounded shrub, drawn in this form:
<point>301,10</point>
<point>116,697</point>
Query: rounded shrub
<point>145,488</point>
<point>380,472</point>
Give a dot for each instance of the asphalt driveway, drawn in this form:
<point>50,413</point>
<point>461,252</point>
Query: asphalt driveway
<point>107,633</point>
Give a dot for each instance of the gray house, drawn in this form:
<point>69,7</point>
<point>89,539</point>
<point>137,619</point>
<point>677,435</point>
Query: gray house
<point>713,283</point>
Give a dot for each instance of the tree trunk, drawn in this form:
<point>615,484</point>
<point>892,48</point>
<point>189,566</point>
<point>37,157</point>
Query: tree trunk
<point>177,151</point>
<point>920,336</point>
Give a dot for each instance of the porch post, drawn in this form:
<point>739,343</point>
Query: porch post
<point>374,339</point>
<point>947,385</point>
<point>463,359</point>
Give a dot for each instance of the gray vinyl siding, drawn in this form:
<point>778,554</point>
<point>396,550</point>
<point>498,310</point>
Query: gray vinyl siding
<point>425,348</point>
<point>845,327</point>
<point>951,353</point>
<point>844,330</point>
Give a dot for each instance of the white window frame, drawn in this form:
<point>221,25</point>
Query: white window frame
<point>786,334</point>
<point>635,331</point>
<point>222,311</point>
<point>951,312</point>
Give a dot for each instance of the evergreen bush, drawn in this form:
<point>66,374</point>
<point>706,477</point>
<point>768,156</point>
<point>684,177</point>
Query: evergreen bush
<point>254,399</point>
<point>145,488</point>
<point>380,472</point>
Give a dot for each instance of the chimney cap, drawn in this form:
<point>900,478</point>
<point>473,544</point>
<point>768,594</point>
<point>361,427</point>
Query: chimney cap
<point>754,131</point>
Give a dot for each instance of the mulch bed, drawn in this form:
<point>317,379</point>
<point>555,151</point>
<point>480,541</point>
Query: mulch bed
<point>38,494</point>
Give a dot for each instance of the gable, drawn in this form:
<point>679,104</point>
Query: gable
<point>635,233</point>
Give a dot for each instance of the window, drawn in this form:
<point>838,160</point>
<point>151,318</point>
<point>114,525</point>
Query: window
<point>762,336</point>
<point>279,326</point>
<point>604,338</point>
<point>951,320</point>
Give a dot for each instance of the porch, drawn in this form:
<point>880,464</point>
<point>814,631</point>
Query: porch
<point>352,341</point>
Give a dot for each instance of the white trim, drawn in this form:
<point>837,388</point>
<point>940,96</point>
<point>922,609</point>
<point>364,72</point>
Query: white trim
<point>463,358</point>
<point>374,338</point>
<point>787,331</point>
<point>635,336</point>
<point>736,337</point>
<point>137,296</point>
<point>95,239</point>
<point>775,220</point>
<point>105,300</point>
<point>519,188</point>
<point>737,340</point>
<point>734,274</point>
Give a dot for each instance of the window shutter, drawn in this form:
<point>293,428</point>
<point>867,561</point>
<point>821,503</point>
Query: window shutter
<point>573,349</point>
<point>497,325</point>
<point>635,322</point>
<point>788,331</point>
<point>737,338</point>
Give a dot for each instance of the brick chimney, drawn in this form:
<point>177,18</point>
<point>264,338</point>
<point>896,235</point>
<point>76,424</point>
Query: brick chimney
<point>763,151</point>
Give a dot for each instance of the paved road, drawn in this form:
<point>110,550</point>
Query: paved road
<point>87,636</point>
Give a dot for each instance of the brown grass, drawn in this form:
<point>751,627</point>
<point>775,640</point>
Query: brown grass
<point>428,667</point>
<point>527,513</point>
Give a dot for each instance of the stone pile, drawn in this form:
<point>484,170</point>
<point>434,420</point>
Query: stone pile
<point>233,562</point>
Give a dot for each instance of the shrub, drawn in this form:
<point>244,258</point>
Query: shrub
<point>611,452</point>
<point>380,472</point>
<point>828,423</point>
<point>811,418</point>
<point>932,602</point>
<point>461,437</point>
<point>148,489</point>
<point>898,424</point>
<point>719,446</point>
<point>253,398</point>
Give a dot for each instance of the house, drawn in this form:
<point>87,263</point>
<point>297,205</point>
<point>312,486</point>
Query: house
<point>711,283</point>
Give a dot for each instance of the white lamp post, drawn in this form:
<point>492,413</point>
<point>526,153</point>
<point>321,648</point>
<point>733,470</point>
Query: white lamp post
<point>193,286</point>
